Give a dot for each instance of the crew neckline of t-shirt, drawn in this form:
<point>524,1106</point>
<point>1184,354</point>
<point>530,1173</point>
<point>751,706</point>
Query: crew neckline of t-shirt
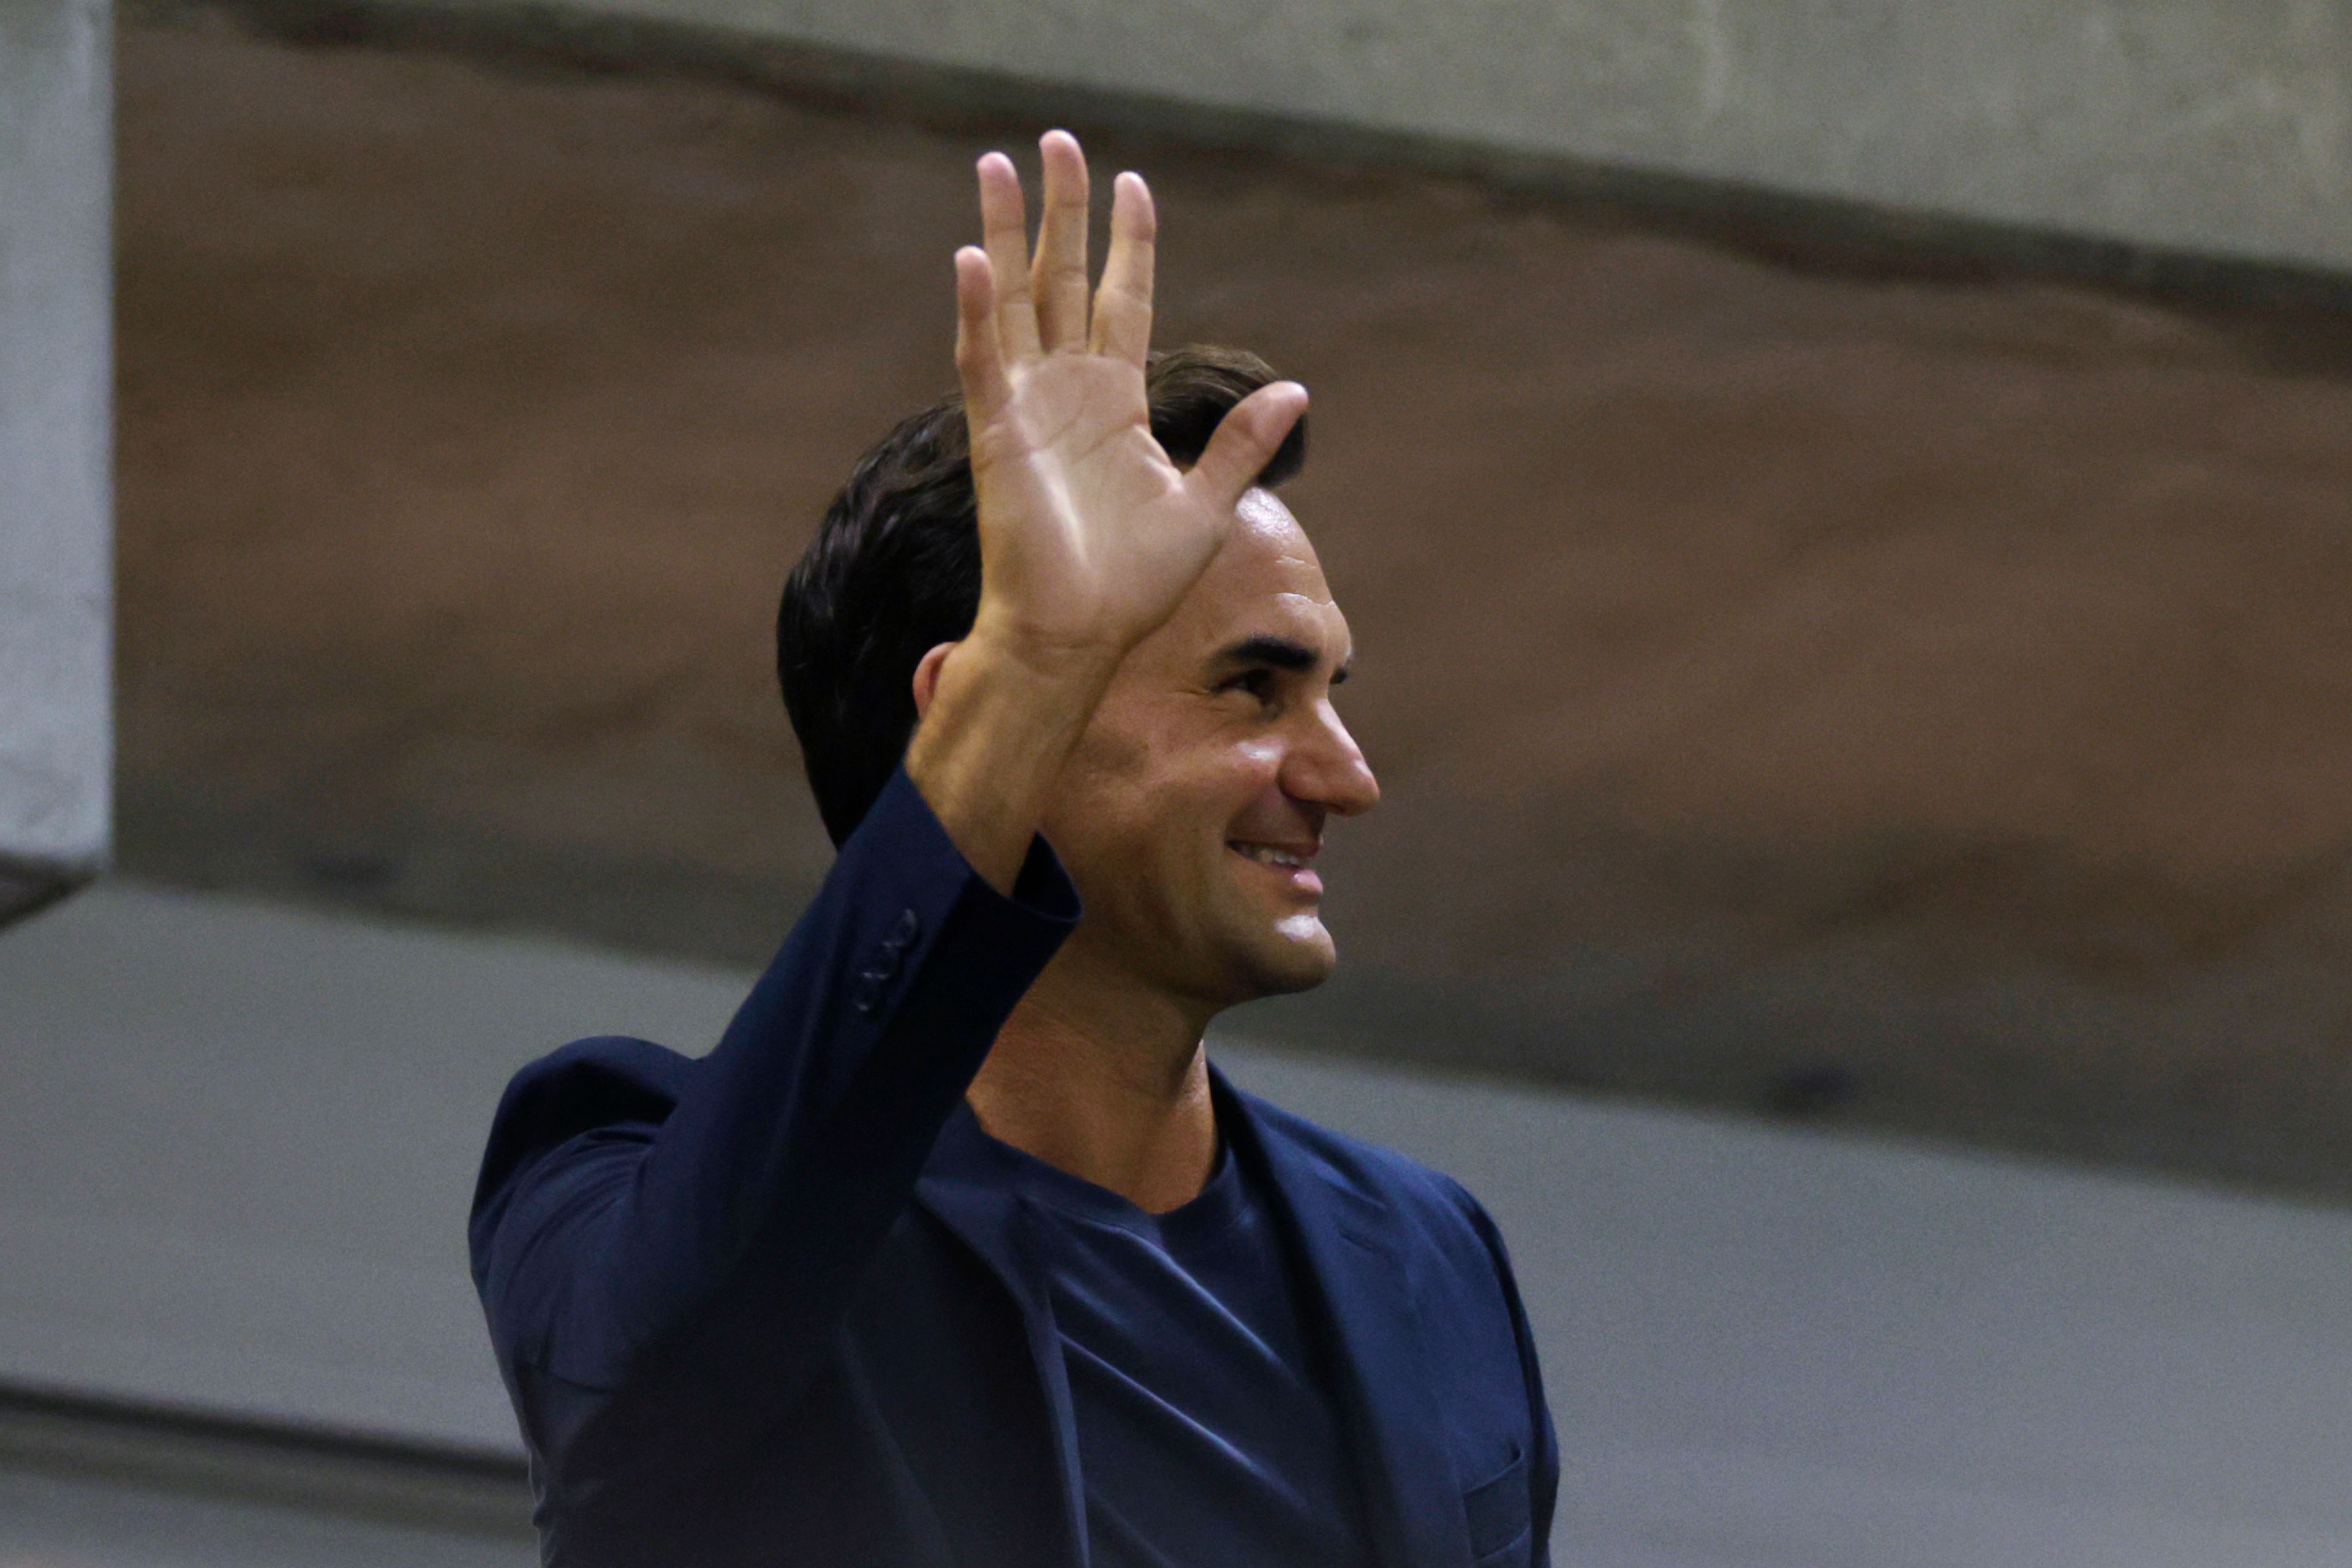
<point>1203,1218</point>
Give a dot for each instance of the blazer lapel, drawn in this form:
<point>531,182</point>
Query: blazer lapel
<point>994,1225</point>
<point>1358,1283</point>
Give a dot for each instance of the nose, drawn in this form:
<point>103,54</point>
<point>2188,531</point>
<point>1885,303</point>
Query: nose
<point>1326,768</point>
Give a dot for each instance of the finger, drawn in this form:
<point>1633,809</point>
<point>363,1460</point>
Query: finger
<point>1004,229</point>
<point>980,352</point>
<point>1058,279</point>
<point>1123,304</point>
<point>1246,440</point>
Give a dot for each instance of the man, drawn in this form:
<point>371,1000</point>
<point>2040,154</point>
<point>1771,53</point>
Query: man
<point>956,1250</point>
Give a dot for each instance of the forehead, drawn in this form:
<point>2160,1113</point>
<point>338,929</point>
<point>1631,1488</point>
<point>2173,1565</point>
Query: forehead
<point>1265,579</point>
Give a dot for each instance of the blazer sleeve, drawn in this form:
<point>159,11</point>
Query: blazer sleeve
<point>662,1246</point>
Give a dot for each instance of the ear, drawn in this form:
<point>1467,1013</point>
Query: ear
<point>927,678</point>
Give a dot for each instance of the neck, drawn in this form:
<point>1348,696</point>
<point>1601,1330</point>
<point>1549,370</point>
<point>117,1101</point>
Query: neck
<point>1104,1077</point>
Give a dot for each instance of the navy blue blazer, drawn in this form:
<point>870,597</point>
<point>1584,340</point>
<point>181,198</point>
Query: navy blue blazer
<point>740,1325</point>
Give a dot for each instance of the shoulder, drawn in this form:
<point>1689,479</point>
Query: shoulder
<point>607,1082</point>
<point>1420,1201</point>
<point>610,1077</point>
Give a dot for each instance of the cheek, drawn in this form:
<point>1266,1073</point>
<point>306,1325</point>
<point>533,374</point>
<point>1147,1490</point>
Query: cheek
<point>1134,797</point>
<point>1240,775</point>
<point>1116,799</point>
<point>1262,758</point>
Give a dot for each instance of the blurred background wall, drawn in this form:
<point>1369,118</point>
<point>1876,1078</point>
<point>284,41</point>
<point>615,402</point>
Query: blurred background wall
<point>1853,660</point>
<point>1842,511</point>
<point>56,451</point>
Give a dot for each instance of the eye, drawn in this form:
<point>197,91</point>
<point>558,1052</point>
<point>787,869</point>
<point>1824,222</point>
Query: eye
<point>1258,683</point>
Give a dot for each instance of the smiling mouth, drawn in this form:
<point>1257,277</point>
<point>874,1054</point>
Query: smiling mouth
<point>1267,854</point>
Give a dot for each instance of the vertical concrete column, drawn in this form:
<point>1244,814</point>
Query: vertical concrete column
<point>56,445</point>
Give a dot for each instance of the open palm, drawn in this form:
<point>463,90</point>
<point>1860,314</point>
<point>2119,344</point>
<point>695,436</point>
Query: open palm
<point>1090,534</point>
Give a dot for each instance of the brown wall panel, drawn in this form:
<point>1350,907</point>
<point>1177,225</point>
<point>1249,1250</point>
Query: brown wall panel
<point>1895,694</point>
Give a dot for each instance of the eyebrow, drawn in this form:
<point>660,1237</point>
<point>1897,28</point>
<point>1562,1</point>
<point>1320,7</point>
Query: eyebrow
<point>1281,653</point>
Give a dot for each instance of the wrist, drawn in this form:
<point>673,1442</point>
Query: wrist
<point>1003,718</point>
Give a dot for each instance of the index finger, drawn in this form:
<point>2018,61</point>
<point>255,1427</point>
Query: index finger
<point>1004,231</point>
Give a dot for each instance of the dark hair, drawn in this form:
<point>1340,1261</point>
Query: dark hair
<point>894,571</point>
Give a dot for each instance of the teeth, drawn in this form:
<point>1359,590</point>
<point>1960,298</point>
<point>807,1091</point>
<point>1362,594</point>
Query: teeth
<point>1266,855</point>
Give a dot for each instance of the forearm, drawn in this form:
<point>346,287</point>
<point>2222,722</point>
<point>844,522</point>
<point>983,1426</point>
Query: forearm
<point>1000,725</point>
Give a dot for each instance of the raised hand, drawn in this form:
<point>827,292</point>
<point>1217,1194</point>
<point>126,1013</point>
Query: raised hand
<point>1090,535</point>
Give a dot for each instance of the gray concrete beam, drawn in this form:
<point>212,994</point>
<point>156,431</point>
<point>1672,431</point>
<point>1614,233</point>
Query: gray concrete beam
<point>56,483</point>
<point>2216,127</point>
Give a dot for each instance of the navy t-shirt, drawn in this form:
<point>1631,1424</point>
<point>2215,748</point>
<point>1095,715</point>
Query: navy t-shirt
<point>1206,1435</point>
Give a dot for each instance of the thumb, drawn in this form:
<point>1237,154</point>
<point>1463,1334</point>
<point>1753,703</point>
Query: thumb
<point>1246,440</point>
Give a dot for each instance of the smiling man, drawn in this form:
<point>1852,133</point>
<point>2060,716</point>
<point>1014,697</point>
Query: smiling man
<point>957,1249</point>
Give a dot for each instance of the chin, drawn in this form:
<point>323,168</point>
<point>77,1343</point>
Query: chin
<point>1297,955</point>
